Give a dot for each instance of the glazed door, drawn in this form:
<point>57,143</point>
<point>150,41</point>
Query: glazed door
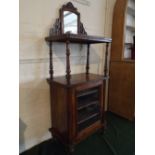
<point>88,108</point>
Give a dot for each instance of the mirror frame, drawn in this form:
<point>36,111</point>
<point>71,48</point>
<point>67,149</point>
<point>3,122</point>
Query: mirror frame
<point>69,7</point>
<point>58,27</point>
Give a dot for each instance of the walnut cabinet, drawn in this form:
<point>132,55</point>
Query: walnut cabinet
<point>77,100</point>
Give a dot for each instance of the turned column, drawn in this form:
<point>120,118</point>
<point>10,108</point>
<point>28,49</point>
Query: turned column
<point>51,61</point>
<point>68,71</point>
<point>106,61</point>
<point>105,85</point>
<point>87,63</point>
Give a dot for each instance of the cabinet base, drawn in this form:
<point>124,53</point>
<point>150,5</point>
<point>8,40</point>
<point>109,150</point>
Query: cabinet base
<point>57,138</point>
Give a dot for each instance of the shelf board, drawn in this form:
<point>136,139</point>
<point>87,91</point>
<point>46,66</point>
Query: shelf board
<point>77,79</point>
<point>87,93</point>
<point>76,38</point>
<point>85,118</point>
<point>131,11</point>
<point>128,44</point>
<point>131,28</point>
<point>86,103</point>
<point>88,124</point>
<point>128,60</point>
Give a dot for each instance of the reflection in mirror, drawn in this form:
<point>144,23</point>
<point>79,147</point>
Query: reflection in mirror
<point>70,22</point>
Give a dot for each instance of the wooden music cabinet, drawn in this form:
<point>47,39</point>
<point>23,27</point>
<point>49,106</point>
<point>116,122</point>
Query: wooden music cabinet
<point>77,100</point>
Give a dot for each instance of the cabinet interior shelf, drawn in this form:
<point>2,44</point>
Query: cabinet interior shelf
<point>91,121</point>
<point>87,103</point>
<point>87,93</point>
<point>131,11</point>
<point>131,28</point>
<point>128,60</point>
<point>128,44</point>
<point>85,117</point>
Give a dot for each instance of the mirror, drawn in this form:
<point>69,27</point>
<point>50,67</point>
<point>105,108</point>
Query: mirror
<point>70,21</point>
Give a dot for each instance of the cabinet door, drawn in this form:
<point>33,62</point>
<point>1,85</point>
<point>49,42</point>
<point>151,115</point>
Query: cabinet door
<point>89,108</point>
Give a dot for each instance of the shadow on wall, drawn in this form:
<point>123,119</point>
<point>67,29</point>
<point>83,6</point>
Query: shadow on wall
<point>22,128</point>
<point>34,113</point>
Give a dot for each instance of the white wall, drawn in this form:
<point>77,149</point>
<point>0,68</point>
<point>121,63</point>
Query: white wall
<point>36,18</point>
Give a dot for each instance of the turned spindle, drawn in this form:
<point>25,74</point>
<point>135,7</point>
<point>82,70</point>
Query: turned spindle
<point>51,61</point>
<point>106,61</point>
<point>87,63</point>
<point>68,71</point>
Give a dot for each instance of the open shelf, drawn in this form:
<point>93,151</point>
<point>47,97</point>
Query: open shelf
<point>128,60</point>
<point>128,44</point>
<point>131,28</point>
<point>131,11</point>
<point>74,38</point>
<point>130,31</point>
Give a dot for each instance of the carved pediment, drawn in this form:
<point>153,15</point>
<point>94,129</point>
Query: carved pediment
<point>69,5</point>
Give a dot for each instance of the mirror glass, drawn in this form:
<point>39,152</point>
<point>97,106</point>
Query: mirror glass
<point>70,22</point>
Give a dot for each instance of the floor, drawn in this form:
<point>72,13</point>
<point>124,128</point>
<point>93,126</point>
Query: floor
<point>118,139</point>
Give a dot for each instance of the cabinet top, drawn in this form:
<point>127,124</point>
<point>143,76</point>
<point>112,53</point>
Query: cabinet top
<point>77,79</point>
<point>74,38</point>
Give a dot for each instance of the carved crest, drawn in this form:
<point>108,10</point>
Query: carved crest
<point>56,30</point>
<point>69,5</point>
<point>81,29</point>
